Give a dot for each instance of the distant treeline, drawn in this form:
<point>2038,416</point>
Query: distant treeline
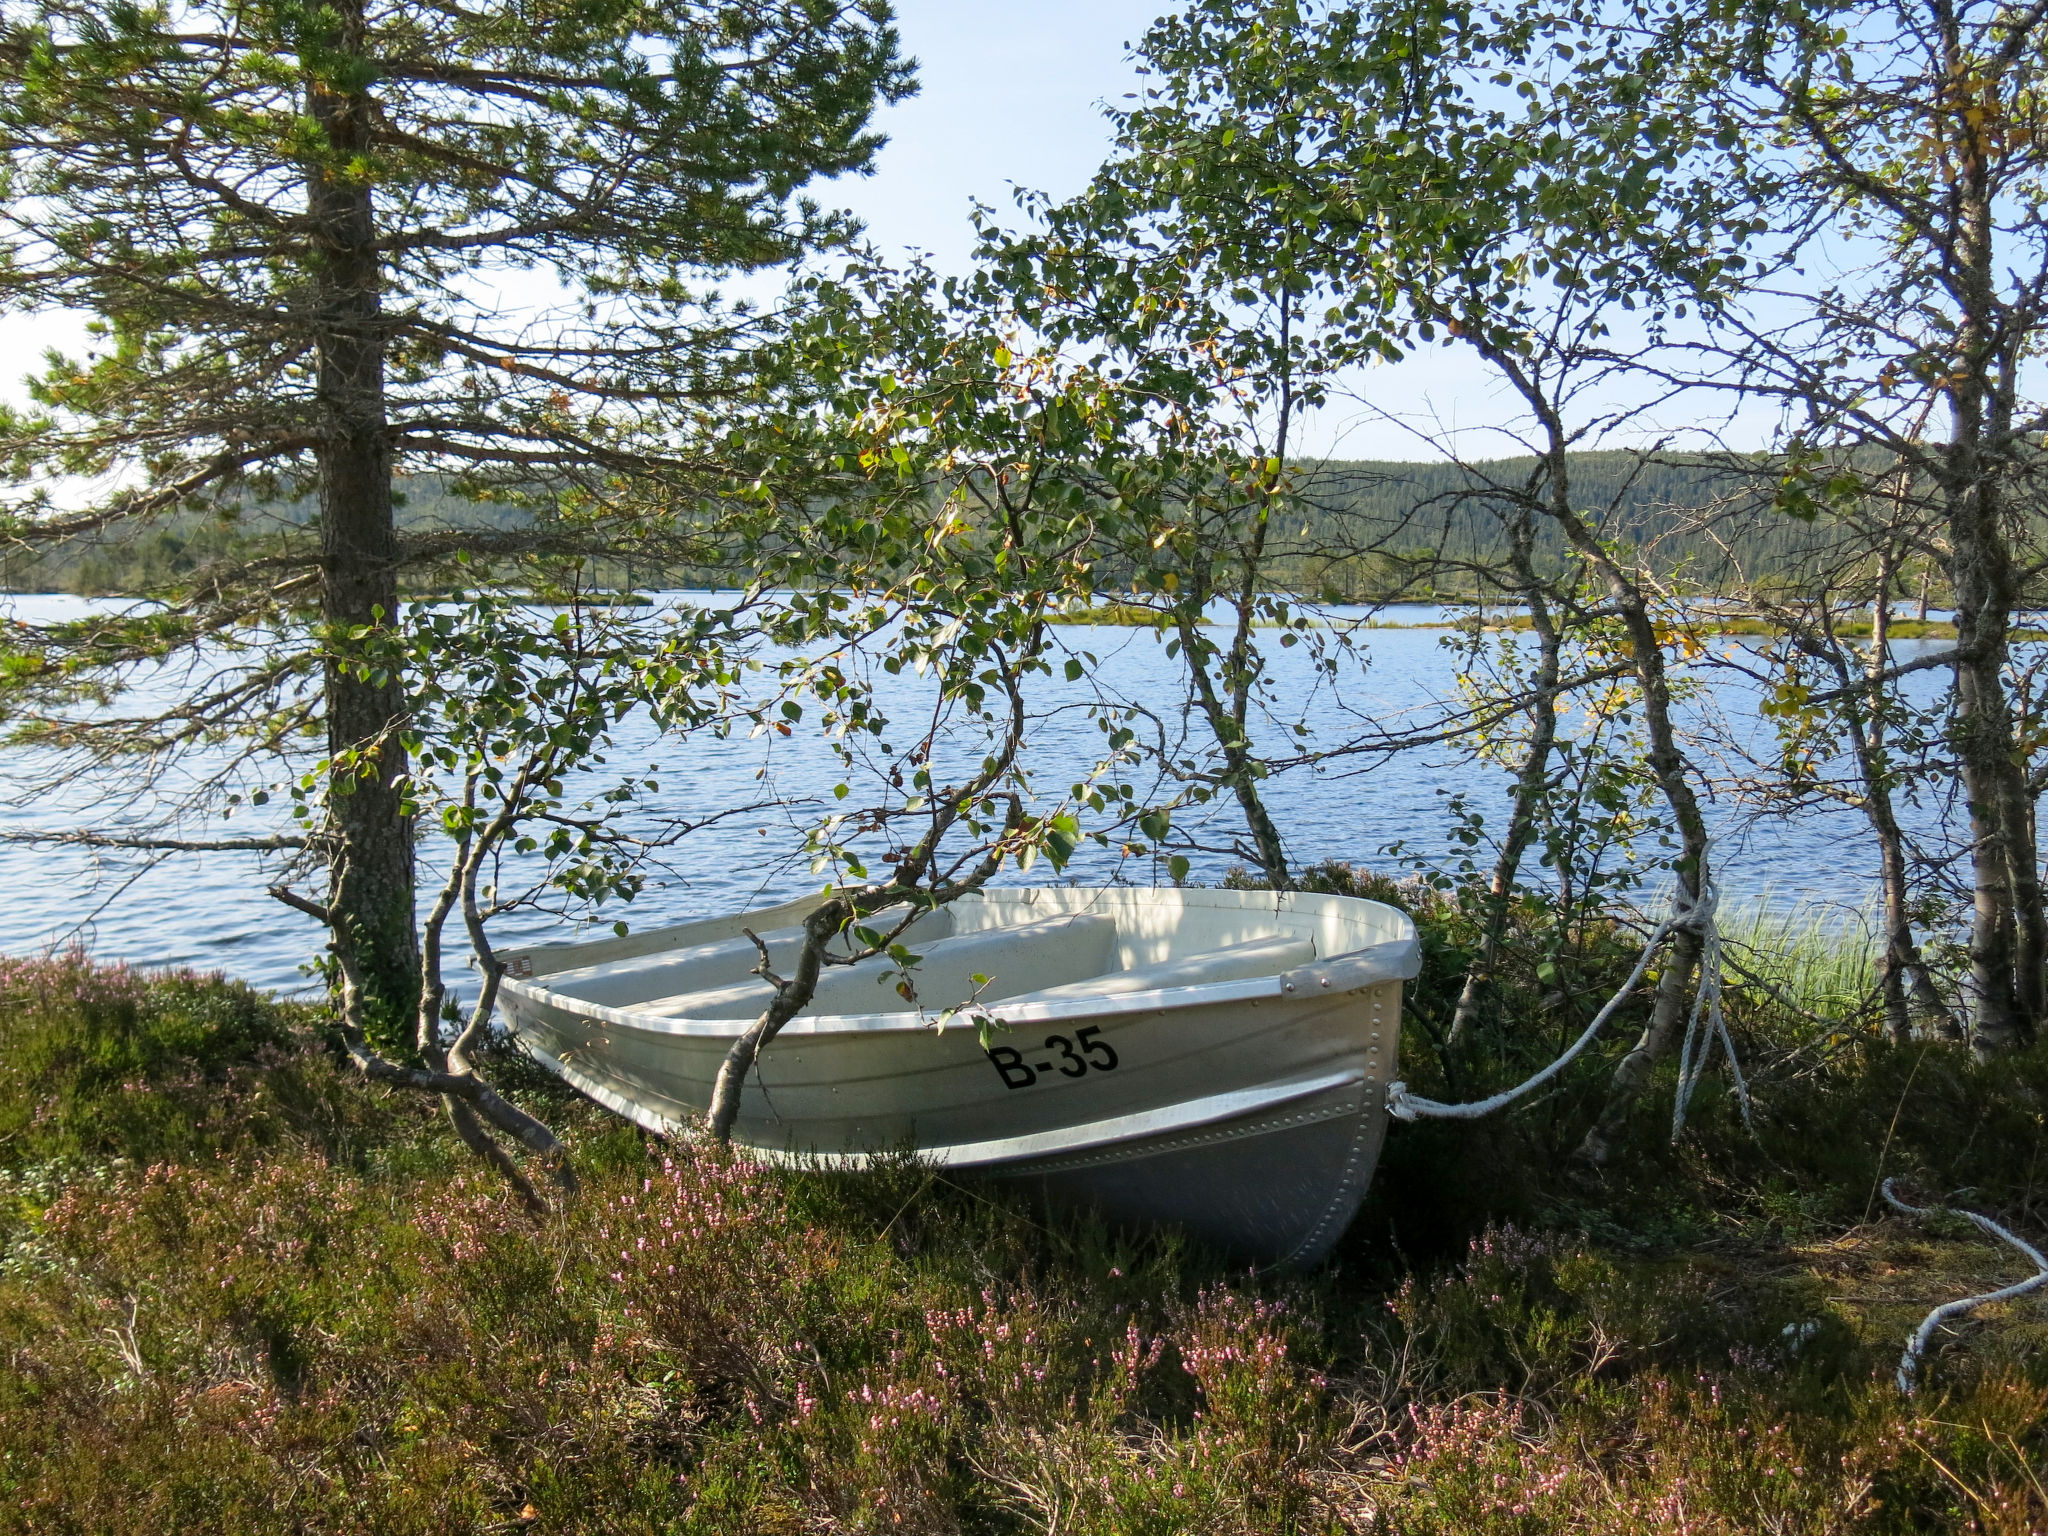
<point>1373,529</point>
<point>177,551</point>
<point>1359,529</point>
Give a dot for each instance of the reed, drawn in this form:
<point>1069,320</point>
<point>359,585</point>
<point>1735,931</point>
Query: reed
<point>1822,958</point>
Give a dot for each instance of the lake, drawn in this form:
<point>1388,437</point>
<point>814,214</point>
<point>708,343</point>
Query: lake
<point>211,910</point>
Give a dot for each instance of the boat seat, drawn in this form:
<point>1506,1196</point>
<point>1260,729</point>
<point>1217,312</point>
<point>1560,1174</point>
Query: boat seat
<point>1266,956</point>
<point>1068,948</point>
<point>667,973</point>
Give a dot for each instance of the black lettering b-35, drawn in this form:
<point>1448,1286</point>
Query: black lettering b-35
<point>1019,1073</point>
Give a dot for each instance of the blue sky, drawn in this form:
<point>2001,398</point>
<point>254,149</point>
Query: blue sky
<point>1011,94</point>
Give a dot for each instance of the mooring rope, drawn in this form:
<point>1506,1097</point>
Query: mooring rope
<point>1909,1363</point>
<point>1708,1023</point>
<point>1403,1105</point>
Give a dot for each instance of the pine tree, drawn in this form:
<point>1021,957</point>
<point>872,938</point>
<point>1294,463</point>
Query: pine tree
<point>326,243</point>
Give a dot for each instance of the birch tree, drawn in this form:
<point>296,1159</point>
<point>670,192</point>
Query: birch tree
<point>1908,173</point>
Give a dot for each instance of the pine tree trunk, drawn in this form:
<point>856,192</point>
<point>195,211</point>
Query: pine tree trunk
<point>371,841</point>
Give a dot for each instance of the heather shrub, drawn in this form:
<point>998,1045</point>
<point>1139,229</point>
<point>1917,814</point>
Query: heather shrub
<point>337,1323</point>
<point>101,1062</point>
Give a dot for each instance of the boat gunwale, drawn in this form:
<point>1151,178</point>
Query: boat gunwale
<point>587,953</point>
<point>1281,985</point>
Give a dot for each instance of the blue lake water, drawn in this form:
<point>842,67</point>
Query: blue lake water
<point>211,911</point>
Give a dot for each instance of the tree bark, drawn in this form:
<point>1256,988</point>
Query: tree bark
<point>2005,942</point>
<point>1668,767</point>
<point>1530,782</point>
<point>1228,712</point>
<point>2009,931</point>
<point>371,838</point>
<point>1666,760</point>
<point>1228,724</point>
<point>791,998</point>
<point>1907,986</point>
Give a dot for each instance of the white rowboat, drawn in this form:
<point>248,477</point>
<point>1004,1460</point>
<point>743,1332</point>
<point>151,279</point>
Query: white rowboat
<point>1213,1058</point>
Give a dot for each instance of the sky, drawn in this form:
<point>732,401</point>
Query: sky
<point>1012,94</point>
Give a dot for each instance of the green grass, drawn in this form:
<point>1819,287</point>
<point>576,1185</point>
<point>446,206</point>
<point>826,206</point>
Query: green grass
<point>243,1293</point>
<point>1822,959</point>
<point>1112,616</point>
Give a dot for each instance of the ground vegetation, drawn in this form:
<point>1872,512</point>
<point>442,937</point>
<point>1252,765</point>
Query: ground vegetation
<point>242,1292</point>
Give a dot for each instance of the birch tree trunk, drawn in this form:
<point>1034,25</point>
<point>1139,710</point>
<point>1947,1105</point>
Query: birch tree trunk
<point>1908,988</point>
<point>1530,781</point>
<point>2009,933</point>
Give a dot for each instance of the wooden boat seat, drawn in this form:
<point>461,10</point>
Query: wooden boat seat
<point>1066,949</point>
<point>1266,956</point>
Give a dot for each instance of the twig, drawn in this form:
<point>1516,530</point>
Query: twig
<point>765,970</point>
<point>470,1099</point>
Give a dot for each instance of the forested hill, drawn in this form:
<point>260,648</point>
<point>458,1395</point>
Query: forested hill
<point>1374,522</point>
<point>120,562</point>
<point>1376,527</point>
<point>1643,493</point>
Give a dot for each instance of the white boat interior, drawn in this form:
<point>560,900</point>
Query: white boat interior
<point>1089,946</point>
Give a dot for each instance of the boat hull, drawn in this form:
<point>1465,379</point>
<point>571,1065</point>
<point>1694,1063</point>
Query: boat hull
<point>1280,1185</point>
<point>1249,1111</point>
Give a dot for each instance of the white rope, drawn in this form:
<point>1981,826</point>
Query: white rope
<point>1708,1023</point>
<point>1403,1105</point>
<point>1909,1363</point>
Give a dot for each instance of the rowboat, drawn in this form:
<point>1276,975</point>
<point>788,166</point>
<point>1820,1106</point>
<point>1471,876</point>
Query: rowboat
<point>1212,1058</point>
